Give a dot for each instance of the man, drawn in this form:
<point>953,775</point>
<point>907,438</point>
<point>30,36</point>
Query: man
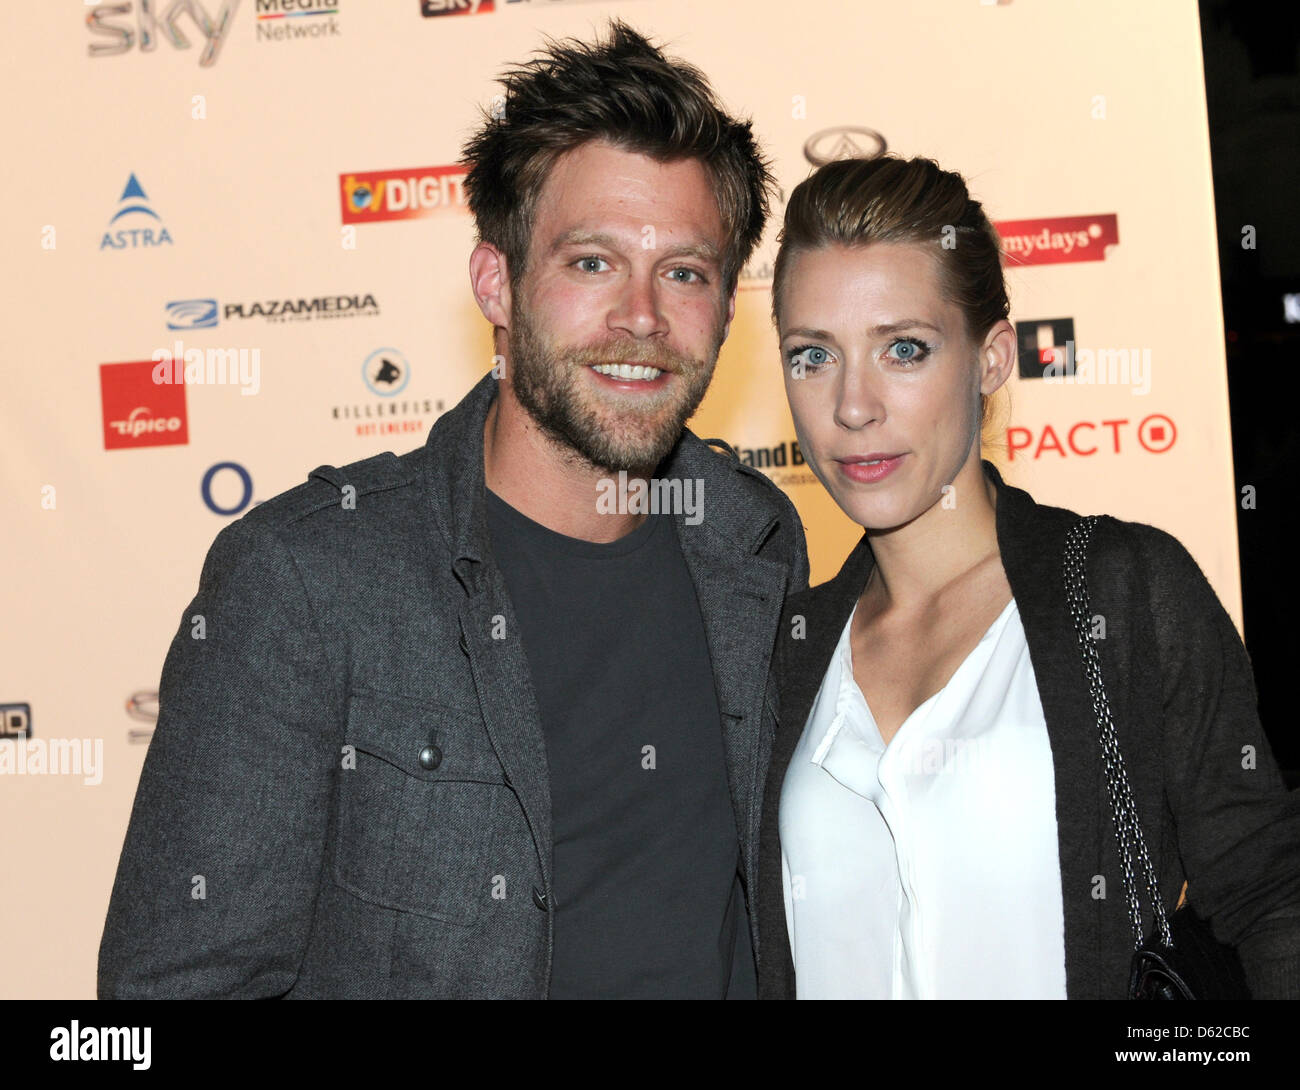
<point>470,722</point>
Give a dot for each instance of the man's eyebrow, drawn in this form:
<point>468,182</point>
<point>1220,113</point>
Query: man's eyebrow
<point>580,237</point>
<point>877,330</point>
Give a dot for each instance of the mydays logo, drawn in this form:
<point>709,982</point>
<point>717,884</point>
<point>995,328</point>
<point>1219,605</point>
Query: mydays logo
<point>149,25</point>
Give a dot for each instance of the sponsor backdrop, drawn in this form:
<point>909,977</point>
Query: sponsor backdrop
<point>268,190</point>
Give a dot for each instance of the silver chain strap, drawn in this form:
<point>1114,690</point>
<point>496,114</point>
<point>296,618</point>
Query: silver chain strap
<point>1128,830</point>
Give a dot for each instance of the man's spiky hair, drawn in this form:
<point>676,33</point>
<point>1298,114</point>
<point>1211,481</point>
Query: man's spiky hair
<point>623,90</point>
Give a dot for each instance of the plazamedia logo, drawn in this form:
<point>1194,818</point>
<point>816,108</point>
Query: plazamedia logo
<point>202,313</point>
<point>113,22</point>
<point>430,8</point>
<point>373,195</point>
<point>134,234</point>
<point>139,412</point>
<point>192,314</point>
<point>305,310</point>
<point>386,374</point>
<point>1059,240</point>
<point>297,20</point>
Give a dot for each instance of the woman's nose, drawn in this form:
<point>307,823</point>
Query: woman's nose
<point>858,401</point>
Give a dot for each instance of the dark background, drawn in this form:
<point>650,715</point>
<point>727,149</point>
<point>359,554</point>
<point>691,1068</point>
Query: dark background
<point>1253,92</point>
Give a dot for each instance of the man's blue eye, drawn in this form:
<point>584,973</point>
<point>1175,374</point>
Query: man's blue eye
<point>582,261</point>
<point>691,272</point>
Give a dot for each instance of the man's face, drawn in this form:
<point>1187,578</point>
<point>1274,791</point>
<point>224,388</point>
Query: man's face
<point>616,327</point>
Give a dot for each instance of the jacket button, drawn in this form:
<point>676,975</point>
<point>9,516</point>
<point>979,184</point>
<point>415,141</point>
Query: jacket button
<point>539,898</point>
<point>430,757</point>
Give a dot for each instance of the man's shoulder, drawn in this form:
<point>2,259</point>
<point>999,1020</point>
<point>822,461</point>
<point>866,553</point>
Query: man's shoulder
<point>733,474</point>
<point>312,506</point>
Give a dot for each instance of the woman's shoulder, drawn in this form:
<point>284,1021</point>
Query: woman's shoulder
<point>1117,546</point>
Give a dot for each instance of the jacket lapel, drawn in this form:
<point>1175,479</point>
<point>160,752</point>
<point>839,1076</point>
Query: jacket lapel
<point>740,597</point>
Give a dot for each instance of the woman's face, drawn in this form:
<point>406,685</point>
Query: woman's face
<point>883,381</point>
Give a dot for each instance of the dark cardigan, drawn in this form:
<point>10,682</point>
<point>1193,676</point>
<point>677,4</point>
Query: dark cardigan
<point>1183,698</point>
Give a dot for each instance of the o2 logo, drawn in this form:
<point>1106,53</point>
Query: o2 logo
<point>226,487</point>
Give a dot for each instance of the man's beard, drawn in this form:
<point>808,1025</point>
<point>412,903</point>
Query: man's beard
<point>548,382</point>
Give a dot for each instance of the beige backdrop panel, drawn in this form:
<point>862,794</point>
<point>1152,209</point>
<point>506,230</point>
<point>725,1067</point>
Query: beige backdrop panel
<point>1052,110</point>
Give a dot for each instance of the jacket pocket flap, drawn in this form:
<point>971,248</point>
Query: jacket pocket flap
<point>429,742</point>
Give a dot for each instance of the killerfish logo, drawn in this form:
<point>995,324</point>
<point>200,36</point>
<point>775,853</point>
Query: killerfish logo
<point>153,21</point>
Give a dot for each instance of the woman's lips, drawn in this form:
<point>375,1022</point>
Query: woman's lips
<point>869,468</point>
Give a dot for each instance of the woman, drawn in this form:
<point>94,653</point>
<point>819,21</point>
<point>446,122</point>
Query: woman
<point>936,820</point>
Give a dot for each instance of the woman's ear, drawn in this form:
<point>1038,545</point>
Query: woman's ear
<point>999,355</point>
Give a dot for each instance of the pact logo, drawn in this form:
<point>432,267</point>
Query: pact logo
<point>374,195</point>
<point>139,412</point>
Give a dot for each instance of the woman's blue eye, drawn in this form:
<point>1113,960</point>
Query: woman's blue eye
<point>909,350</point>
<point>815,356</point>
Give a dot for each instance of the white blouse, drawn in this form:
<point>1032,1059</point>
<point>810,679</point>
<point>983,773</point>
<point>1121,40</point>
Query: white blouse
<point>928,868</point>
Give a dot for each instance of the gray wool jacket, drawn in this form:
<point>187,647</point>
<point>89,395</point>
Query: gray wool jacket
<point>346,795</point>
<point>1212,803</point>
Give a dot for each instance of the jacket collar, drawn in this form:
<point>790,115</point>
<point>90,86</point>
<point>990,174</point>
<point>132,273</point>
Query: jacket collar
<point>454,484</point>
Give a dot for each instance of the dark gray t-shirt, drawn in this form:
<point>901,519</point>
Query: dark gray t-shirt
<point>647,902</point>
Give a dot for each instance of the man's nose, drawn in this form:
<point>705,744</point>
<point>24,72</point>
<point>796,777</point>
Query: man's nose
<point>638,308</point>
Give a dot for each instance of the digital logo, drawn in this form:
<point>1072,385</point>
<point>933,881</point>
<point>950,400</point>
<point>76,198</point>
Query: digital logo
<point>150,26</point>
<point>1043,344</point>
<point>372,196</point>
<point>297,20</point>
<point>15,720</point>
<point>192,314</point>
<point>135,204</point>
<point>429,8</point>
<point>1058,241</point>
<point>139,412</point>
<point>847,142</point>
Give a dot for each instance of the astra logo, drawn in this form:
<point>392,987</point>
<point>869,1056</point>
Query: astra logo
<point>135,204</point>
<point>153,21</point>
<point>192,314</point>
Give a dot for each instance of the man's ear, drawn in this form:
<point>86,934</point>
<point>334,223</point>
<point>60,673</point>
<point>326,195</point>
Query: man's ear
<point>731,312</point>
<point>999,355</point>
<point>489,279</point>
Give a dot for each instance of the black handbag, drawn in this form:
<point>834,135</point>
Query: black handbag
<point>1181,959</point>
